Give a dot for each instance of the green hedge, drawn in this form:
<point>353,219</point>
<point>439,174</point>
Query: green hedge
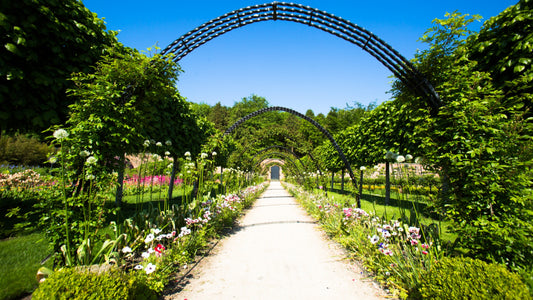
<point>72,284</point>
<point>467,278</point>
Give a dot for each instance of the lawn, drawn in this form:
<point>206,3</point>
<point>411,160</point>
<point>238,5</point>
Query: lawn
<point>20,259</point>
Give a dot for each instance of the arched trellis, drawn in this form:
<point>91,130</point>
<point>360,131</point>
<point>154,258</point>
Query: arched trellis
<point>284,156</point>
<point>246,148</point>
<point>318,126</point>
<point>279,147</point>
<point>404,70</point>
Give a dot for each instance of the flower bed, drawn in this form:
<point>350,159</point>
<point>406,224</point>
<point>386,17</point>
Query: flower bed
<point>151,247</point>
<point>398,254</point>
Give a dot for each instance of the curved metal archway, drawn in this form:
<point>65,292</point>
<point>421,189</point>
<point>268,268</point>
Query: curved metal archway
<point>404,70</point>
<point>318,126</point>
<point>279,147</point>
<point>284,157</point>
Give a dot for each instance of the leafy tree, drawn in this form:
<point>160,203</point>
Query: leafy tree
<point>43,43</point>
<point>130,99</point>
<point>219,115</point>
<point>480,140</point>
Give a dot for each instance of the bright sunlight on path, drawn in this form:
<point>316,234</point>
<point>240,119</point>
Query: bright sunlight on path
<point>278,252</point>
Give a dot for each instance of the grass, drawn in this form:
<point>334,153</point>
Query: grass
<point>20,259</point>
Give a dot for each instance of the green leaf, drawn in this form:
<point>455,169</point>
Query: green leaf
<point>11,48</point>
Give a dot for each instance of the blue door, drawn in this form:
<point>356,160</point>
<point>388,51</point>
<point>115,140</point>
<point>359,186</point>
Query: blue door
<point>274,172</point>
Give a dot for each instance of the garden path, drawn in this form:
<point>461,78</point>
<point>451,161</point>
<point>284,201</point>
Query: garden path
<point>277,252</point>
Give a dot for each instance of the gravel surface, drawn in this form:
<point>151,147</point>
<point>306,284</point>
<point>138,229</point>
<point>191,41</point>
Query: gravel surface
<point>277,252</point>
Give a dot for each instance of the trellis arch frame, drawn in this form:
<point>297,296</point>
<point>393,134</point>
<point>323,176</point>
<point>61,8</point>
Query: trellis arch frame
<point>402,68</point>
<point>314,123</point>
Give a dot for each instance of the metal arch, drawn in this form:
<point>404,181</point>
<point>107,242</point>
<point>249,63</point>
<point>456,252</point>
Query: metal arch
<point>318,126</point>
<point>402,68</point>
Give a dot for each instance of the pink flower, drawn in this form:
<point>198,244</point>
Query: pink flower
<point>424,252</point>
<point>414,242</point>
<point>425,246</point>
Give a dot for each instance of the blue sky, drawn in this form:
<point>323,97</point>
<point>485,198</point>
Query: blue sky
<point>290,64</point>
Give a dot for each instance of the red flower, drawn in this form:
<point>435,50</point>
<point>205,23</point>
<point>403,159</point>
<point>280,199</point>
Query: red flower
<point>159,248</point>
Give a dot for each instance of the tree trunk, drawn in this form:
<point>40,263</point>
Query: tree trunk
<point>120,179</point>
<point>387,183</point>
<point>342,180</point>
<point>172,177</point>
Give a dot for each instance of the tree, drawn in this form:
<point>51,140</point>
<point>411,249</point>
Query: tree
<point>42,43</point>
<point>480,141</point>
<point>128,100</point>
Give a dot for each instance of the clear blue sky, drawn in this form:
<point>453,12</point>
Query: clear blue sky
<point>290,64</point>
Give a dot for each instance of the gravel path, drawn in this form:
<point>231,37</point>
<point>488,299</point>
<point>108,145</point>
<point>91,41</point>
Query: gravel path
<point>278,252</point>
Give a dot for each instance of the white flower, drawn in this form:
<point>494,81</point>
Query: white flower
<point>150,251</point>
<point>61,134</point>
<point>145,254</point>
<point>52,159</point>
<point>138,267</point>
<point>214,153</point>
<point>91,160</point>
<point>187,153</point>
<point>149,238</point>
<point>159,144</point>
<point>146,143</point>
<point>374,239</point>
<point>167,153</point>
<point>400,158</point>
<point>204,155</point>
<point>390,155</point>
<point>149,268</point>
<point>362,168</point>
<point>408,157</point>
<point>157,231</point>
<point>126,250</point>
<point>84,153</point>
<point>168,143</point>
<point>90,177</point>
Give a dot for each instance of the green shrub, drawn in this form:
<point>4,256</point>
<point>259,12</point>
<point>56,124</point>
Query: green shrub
<point>72,284</point>
<point>23,150</point>
<point>466,278</point>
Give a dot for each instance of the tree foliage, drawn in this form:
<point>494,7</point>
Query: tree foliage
<point>129,99</point>
<point>42,44</point>
<point>480,140</point>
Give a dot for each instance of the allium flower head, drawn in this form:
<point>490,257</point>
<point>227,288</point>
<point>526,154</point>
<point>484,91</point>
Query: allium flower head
<point>362,168</point>
<point>52,159</point>
<point>91,160</point>
<point>159,144</point>
<point>90,177</point>
<point>400,158</point>
<point>146,143</point>
<point>167,153</point>
<point>214,153</point>
<point>60,134</point>
<point>390,155</point>
<point>408,157</point>
<point>187,153</point>
<point>204,155</point>
<point>84,153</point>
<point>168,143</point>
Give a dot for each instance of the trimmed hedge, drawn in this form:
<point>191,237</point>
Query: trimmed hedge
<point>467,278</point>
<point>72,284</point>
